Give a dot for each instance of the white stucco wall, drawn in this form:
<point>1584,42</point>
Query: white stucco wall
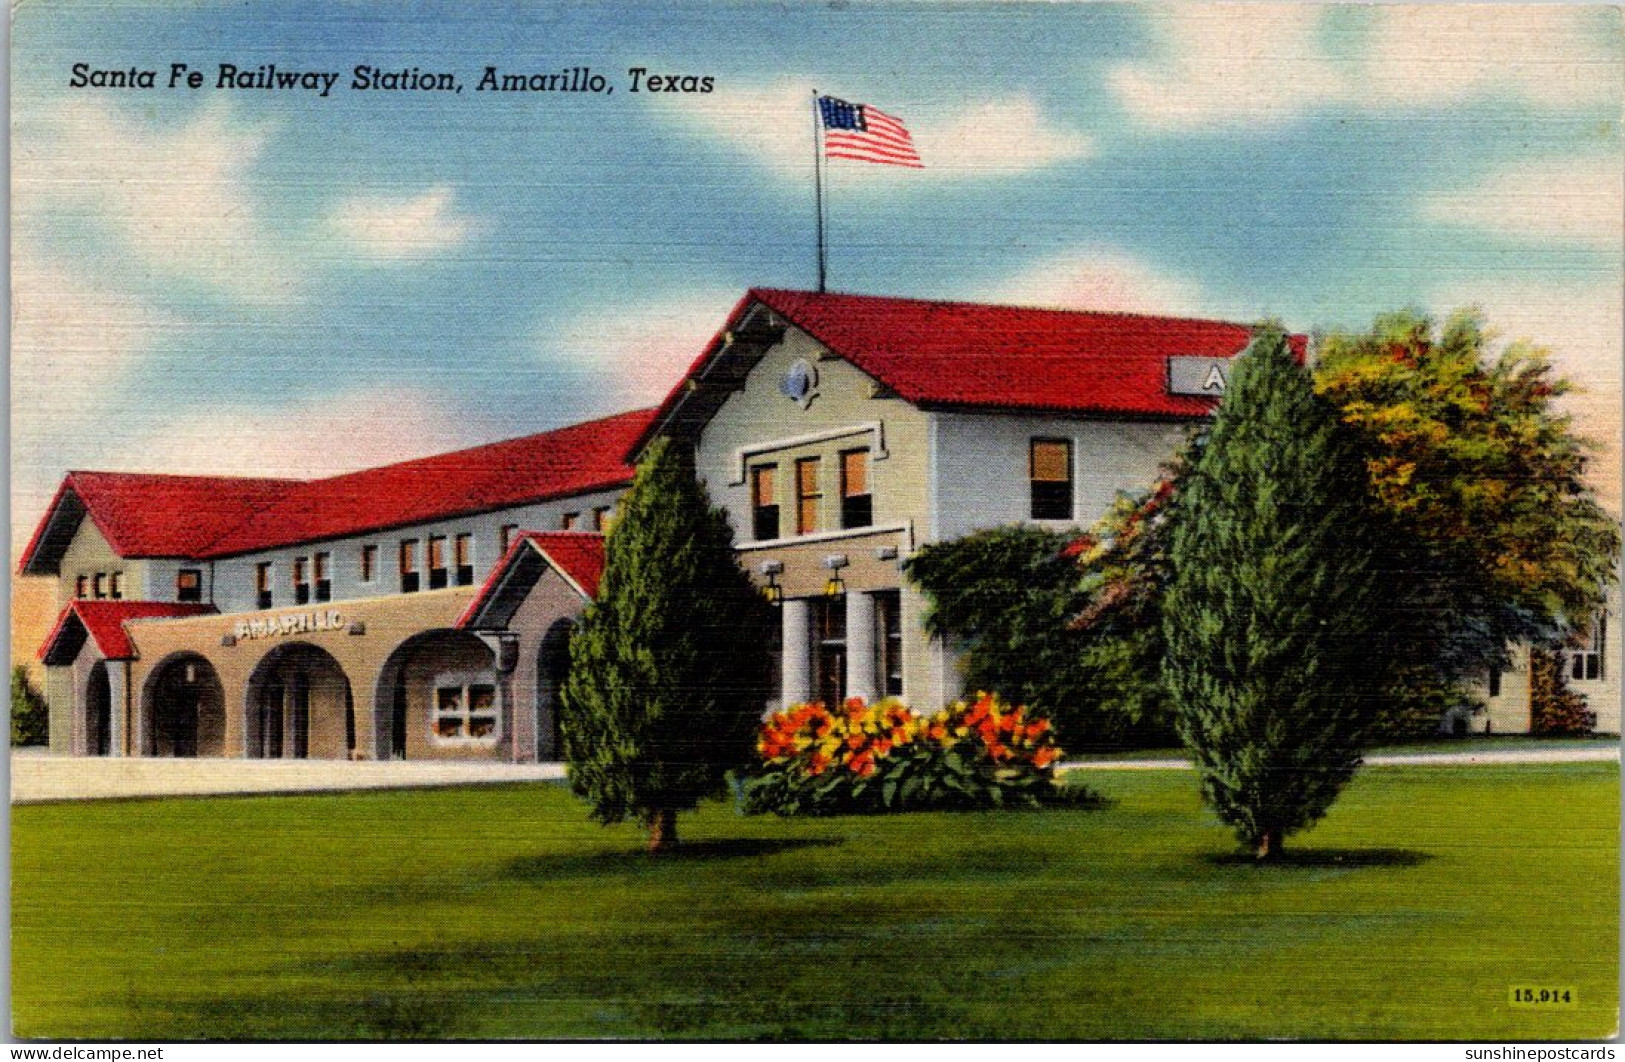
<point>981,467</point>
<point>759,424</point>
<point>233,577</point>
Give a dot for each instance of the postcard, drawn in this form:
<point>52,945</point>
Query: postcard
<point>815,521</point>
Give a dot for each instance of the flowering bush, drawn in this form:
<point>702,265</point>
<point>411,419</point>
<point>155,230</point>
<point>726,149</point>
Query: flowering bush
<point>886,757</point>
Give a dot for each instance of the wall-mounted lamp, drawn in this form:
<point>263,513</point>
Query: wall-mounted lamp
<point>773,591</point>
<point>835,587</point>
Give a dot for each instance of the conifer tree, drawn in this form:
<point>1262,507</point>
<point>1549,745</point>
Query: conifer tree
<point>1268,611</point>
<point>667,682</point>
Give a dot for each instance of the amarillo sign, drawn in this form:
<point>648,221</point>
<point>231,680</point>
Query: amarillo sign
<point>290,623</point>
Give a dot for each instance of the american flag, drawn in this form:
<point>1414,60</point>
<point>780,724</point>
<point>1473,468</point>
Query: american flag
<point>860,132</point>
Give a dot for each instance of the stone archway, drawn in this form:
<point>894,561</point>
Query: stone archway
<point>438,695</point>
<point>297,705</point>
<point>184,709</point>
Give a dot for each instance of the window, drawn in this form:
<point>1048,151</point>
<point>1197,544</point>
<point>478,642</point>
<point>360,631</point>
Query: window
<point>437,562</point>
<point>409,565</point>
<point>569,520</point>
<point>301,581</point>
<point>101,585</point>
<point>81,586</point>
<point>1495,682</point>
<point>463,555</point>
<point>1587,665</point>
<point>189,584</point>
<point>764,502</point>
<point>602,517</point>
<point>1050,468</point>
<point>323,563</point>
<point>857,509</point>
<point>807,495</point>
<point>115,584</point>
<point>465,707</point>
<point>509,533</point>
<point>369,563</point>
<point>889,642</point>
<point>262,584</point>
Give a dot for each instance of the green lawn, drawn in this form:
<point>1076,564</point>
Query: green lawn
<point>1470,744</point>
<point>502,913</point>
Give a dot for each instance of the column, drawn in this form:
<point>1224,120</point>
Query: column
<point>138,718</point>
<point>796,683</point>
<point>860,646</point>
<point>117,680</point>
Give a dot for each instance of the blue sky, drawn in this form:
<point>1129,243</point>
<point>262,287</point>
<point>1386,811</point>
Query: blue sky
<point>248,281</point>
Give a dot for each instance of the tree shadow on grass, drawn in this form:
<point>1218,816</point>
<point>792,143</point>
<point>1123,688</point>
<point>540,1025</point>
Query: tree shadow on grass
<point>547,867</point>
<point>1325,858</point>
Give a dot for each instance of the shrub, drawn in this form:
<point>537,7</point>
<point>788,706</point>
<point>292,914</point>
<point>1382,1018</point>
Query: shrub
<point>1553,707</point>
<point>886,757</point>
<point>30,724</point>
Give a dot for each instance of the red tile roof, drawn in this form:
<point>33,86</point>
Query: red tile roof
<point>144,515</point>
<point>574,460</point>
<point>103,622</point>
<point>576,555</point>
<point>972,355</point>
<point>215,516</point>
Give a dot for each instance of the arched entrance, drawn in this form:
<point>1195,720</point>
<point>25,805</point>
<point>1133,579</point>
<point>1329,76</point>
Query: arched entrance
<point>438,696</point>
<point>552,665</point>
<point>99,712</point>
<point>185,709</point>
<point>298,706</point>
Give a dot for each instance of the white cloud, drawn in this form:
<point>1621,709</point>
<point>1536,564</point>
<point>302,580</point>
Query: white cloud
<point>1550,55</point>
<point>1227,64</point>
<point>402,228</point>
<point>1582,324</point>
<point>68,336</point>
<point>177,197</point>
<point>644,347</point>
<point>1103,279</point>
<point>772,125</point>
<point>997,138</point>
<point>318,436</point>
<point>1577,201</point>
<point>1241,66</point>
<point>73,347</point>
<point>306,438</point>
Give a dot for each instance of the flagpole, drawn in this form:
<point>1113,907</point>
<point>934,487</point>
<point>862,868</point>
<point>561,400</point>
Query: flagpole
<point>818,188</point>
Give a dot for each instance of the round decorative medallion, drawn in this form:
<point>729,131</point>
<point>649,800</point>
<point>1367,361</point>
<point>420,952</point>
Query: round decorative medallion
<point>800,383</point>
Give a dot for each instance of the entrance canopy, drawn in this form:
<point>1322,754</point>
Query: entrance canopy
<point>577,556</point>
<point>103,622</point>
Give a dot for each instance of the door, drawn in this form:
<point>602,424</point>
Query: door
<point>300,720</point>
<point>271,723</point>
<point>829,633</point>
<point>104,729</point>
<point>397,725</point>
<point>185,723</point>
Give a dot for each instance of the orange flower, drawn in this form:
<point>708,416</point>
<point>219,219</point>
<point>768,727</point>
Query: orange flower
<point>1045,756</point>
<point>854,741</point>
